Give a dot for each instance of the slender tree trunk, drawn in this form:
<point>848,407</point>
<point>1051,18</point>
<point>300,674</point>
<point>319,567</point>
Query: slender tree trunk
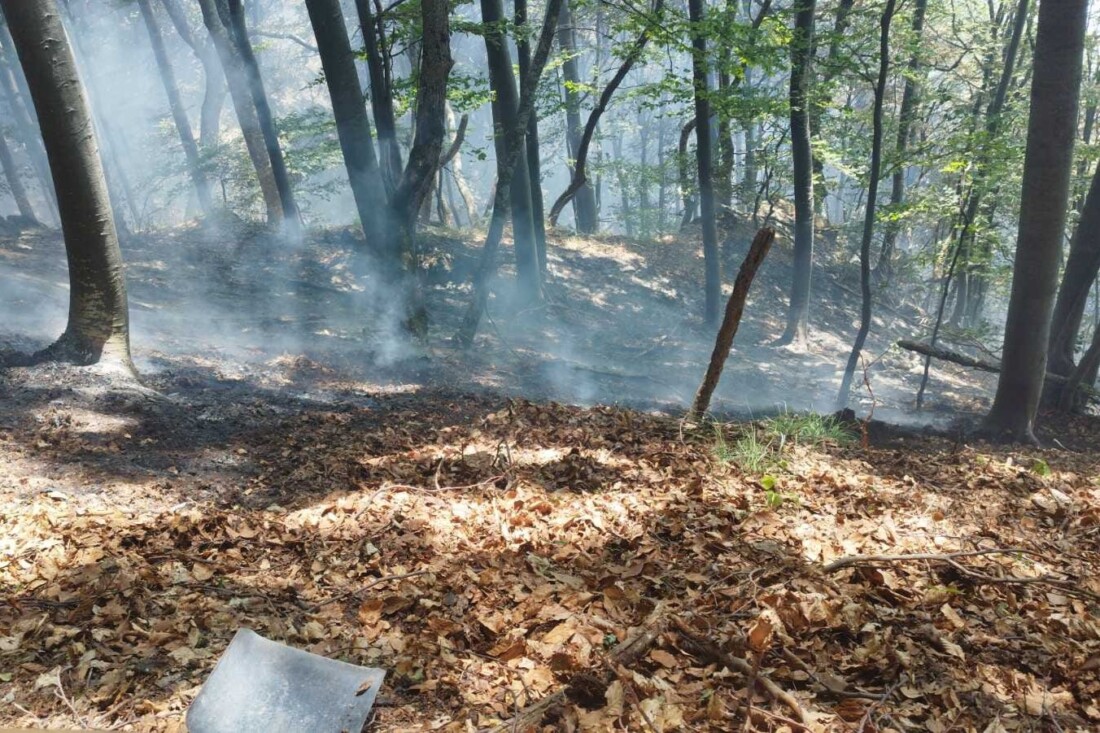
<point>512,147</point>
<point>1048,163</point>
<point>214,89</point>
<point>238,32</point>
<point>15,183</point>
<point>424,154</point>
<point>25,130</point>
<point>232,66</point>
<point>687,185</point>
<point>381,96</point>
<point>98,326</point>
<point>534,165</point>
<point>175,105</point>
<point>901,146</point>
<point>632,56</point>
<point>584,202</point>
<point>704,160</point>
<point>1081,270</point>
<point>352,124</point>
<point>455,161</point>
<point>869,212</point>
<point>505,104</point>
<point>830,69</point>
<point>801,152</point>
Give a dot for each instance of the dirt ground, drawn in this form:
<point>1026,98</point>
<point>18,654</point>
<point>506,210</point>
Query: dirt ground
<point>287,465</point>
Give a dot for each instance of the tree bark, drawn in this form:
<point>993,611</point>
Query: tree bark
<point>175,105</point>
<point>25,129</point>
<point>98,325</point>
<point>352,124</point>
<point>761,243</point>
<point>1082,266</point>
<point>802,155</point>
<point>505,105</point>
<point>1048,163</point>
<point>232,66</point>
<point>381,96</point>
<point>238,32</point>
<point>579,173</point>
<point>704,160</point>
<point>869,212</point>
<point>687,189</point>
<point>15,183</point>
<point>512,147</point>
<point>909,100</point>
<point>584,202</point>
<point>534,164</point>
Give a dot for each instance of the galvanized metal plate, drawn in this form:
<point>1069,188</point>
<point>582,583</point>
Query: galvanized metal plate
<point>261,686</point>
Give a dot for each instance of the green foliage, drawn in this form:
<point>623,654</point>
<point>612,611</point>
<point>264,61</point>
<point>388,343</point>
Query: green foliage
<point>808,428</point>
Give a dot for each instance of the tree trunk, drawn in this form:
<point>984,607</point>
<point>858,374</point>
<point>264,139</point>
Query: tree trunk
<point>687,186</point>
<point>534,164</point>
<point>15,183</point>
<point>758,250</point>
<point>352,124</point>
<point>214,90</point>
<point>704,160</point>
<point>98,326</point>
<point>802,155</point>
<point>381,97</point>
<point>869,212</point>
<point>512,148</point>
<point>1081,270</point>
<point>632,56</point>
<point>505,105</point>
<point>901,146</point>
<point>584,202</point>
<point>840,25</point>
<point>175,105</point>
<point>232,66</point>
<point>1048,162</point>
<point>25,130</point>
<point>238,32</point>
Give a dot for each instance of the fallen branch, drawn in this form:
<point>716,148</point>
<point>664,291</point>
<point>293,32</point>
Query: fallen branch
<point>735,307</point>
<point>938,352</point>
<point>1066,586</point>
<point>625,654</point>
<point>711,653</point>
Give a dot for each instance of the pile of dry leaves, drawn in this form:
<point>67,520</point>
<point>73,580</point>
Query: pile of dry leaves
<point>521,565</point>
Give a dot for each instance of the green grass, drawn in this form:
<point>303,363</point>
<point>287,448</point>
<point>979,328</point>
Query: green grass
<point>808,428</point>
<point>748,451</point>
<point>759,448</point>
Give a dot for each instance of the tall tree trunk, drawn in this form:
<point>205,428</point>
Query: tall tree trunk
<point>381,96</point>
<point>802,155</point>
<point>214,89</point>
<point>235,77</point>
<point>352,124</point>
<point>512,148</point>
<point>98,326</point>
<point>1082,266</point>
<point>830,70</point>
<point>238,32</point>
<point>175,105</point>
<point>534,164</point>
<point>505,105</point>
<point>579,172</point>
<point>15,183</point>
<point>869,212</point>
<point>687,185</point>
<point>703,157</point>
<point>25,129</point>
<point>901,146</point>
<point>455,161</point>
<point>1048,163</point>
<point>584,202</point>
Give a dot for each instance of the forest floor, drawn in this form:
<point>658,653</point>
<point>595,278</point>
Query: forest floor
<point>478,526</point>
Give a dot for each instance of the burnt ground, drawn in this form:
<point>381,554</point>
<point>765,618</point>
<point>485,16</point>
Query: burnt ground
<point>289,465</point>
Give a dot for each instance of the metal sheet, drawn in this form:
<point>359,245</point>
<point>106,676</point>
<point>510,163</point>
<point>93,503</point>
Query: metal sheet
<point>261,686</point>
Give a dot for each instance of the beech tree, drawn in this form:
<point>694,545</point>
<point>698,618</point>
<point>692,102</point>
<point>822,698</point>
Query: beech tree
<point>1052,123</point>
<point>98,324</point>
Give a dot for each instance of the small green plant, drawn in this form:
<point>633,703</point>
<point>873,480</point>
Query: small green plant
<point>1041,467</point>
<point>807,428</point>
<point>749,451</point>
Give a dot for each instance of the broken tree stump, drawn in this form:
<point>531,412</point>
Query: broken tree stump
<point>735,307</point>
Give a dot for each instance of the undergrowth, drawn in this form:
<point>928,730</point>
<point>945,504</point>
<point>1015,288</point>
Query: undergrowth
<point>761,447</point>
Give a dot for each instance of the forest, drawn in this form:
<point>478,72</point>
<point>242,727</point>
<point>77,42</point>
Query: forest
<point>579,365</point>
